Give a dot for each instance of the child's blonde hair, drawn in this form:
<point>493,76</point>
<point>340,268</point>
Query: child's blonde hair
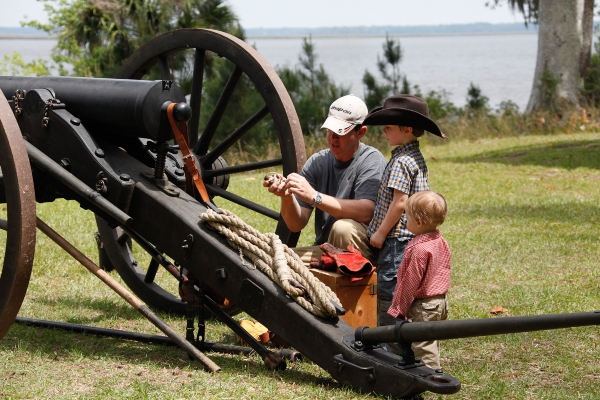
<point>427,206</point>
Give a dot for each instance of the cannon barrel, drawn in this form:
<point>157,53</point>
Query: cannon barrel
<point>107,106</point>
<point>455,329</point>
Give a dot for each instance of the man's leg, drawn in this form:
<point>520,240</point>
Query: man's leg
<point>347,231</point>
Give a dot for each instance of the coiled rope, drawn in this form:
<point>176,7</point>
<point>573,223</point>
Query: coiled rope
<point>276,260</point>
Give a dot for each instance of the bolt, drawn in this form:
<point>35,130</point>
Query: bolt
<point>65,163</point>
<point>221,273</point>
<point>124,177</point>
<point>99,153</point>
<point>75,121</point>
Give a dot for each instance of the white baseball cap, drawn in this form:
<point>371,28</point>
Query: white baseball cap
<point>344,114</point>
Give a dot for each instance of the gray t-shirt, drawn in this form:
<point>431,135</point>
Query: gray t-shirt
<point>358,178</point>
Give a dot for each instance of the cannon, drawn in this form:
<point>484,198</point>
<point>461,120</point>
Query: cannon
<point>107,144</point>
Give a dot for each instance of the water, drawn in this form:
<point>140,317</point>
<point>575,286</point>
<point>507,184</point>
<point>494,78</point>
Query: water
<point>502,65</point>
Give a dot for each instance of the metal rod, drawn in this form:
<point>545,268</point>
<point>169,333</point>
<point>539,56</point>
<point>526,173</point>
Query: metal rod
<point>456,329</point>
<point>120,334</point>
<point>129,297</point>
<point>45,163</point>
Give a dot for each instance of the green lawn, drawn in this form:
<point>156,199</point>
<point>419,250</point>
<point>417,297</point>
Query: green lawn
<point>523,228</point>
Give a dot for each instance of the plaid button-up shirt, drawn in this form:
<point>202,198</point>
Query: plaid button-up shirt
<point>424,272</point>
<point>407,172</point>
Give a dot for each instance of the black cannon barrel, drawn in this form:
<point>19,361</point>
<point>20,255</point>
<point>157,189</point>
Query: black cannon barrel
<point>455,329</point>
<point>107,106</point>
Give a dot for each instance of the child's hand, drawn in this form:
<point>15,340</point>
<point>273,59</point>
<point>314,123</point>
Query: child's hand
<point>377,239</point>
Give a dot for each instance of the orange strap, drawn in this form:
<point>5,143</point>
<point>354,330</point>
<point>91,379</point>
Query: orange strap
<point>179,128</point>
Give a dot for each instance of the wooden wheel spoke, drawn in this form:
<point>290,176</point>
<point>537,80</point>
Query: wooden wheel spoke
<point>151,271</point>
<point>165,72</point>
<point>213,189</point>
<point>236,169</point>
<point>217,114</point>
<point>233,137</point>
<point>196,97</point>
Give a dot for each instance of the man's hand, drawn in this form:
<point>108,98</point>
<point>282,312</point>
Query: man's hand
<point>276,184</point>
<point>299,186</point>
<point>377,239</point>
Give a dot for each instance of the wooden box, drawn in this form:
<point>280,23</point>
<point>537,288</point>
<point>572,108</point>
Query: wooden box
<point>358,298</point>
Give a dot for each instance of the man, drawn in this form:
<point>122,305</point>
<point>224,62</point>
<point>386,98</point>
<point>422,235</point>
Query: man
<point>341,182</point>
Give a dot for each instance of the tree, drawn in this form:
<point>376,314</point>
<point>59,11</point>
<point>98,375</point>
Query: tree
<point>389,68</point>
<point>476,101</point>
<point>95,37</point>
<point>564,49</point>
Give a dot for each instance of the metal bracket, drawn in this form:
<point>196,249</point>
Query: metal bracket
<point>369,372</point>
<point>163,184</point>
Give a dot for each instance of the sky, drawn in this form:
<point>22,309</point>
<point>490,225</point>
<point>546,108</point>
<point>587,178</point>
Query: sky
<point>322,13</point>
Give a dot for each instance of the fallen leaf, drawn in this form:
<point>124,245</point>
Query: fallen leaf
<point>498,310</point>
<point>550,187</point>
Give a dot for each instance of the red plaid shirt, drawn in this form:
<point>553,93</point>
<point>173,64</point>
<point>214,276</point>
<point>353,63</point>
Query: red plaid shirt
<point>424,272</point>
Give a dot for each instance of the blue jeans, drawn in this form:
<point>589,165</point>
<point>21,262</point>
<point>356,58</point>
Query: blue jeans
<point>390,257</point>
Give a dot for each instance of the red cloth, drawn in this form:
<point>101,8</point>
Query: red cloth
<point>424,272</point>
<point>349,262</point>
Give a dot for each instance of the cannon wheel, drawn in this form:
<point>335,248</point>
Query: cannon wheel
<point>154,58</point>
<point>17,223</point>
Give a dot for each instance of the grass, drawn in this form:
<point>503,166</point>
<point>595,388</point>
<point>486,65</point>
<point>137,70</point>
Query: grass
<point>523,228</point>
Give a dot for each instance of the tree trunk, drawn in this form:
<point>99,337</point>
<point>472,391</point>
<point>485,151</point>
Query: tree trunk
<point>557,81</point>
<point>587,30</point>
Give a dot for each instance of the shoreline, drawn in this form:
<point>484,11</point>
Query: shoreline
<point>328,36</point>
<point>323,36</point>
<point>27,37</point>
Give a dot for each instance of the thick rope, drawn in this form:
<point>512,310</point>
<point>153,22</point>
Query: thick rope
<point>276,260</point>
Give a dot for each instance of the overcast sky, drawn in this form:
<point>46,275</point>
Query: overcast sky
<point>322,13</point>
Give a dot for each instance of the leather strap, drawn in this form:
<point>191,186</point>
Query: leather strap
<point>191,169</point>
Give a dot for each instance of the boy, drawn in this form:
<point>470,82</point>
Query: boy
<point>424,274</point>
<point>405,119</point>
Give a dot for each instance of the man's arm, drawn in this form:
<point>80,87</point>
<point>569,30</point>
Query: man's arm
<point>358,210</point>
<point>295,216</point>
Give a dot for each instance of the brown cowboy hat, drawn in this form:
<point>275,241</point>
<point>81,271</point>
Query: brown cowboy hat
<point>404,110</point>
